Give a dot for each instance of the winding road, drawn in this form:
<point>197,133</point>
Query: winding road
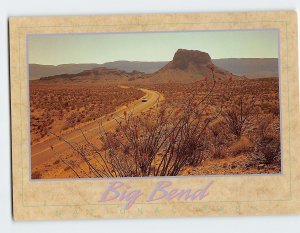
<point>41,152</point>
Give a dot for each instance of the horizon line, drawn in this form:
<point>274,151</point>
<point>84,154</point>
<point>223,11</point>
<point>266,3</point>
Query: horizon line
<point>83,63</point>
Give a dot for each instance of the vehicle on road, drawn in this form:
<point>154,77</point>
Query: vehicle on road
<point>144,99</point>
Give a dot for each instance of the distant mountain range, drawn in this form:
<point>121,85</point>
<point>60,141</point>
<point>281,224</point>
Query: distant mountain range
<point>129,66</point>
<point>186,66</point>
<point>37,71</point>
<point>249,67</point>
<point>94,75</point>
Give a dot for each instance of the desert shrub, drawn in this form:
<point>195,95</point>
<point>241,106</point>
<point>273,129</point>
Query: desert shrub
<point>67,125</point>
<point>36,175</point>
<point>238,115</point>
<point>242,145</point>
<point>196,158</point>
<point>67,168</point>
<point>267,146</point>
<point>56,162</point>
<point>270,108</point>
<point>161,147</point>
<point>218,139</point>
<point>263,126</point>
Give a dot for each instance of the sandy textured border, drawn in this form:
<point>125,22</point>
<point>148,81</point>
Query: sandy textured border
<point>229,195</point>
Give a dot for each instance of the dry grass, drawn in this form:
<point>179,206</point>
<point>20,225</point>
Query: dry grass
<point>58,107</point>
<point>242,145</point>
<point>190,135</point>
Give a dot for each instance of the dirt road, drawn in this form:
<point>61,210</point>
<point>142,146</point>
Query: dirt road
<point>41,152</point>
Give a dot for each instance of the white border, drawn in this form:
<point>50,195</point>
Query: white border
<point>97,7</point>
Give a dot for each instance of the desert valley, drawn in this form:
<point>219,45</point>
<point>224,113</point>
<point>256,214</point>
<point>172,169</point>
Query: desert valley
<point>192,115</point>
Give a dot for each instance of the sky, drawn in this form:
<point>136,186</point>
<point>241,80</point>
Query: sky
<point>150,46</point>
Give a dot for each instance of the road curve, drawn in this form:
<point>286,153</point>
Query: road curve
<point>41,152</point>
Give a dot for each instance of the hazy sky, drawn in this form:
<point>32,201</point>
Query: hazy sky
<point>106,47</point>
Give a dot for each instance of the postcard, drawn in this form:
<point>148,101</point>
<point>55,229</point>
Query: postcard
<point>159,115</point>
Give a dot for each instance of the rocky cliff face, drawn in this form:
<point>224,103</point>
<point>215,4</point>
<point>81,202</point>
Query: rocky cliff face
<point>188,66</point>
<point>184,58</point>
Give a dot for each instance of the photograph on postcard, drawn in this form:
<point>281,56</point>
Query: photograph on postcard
<point>144,104</point>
